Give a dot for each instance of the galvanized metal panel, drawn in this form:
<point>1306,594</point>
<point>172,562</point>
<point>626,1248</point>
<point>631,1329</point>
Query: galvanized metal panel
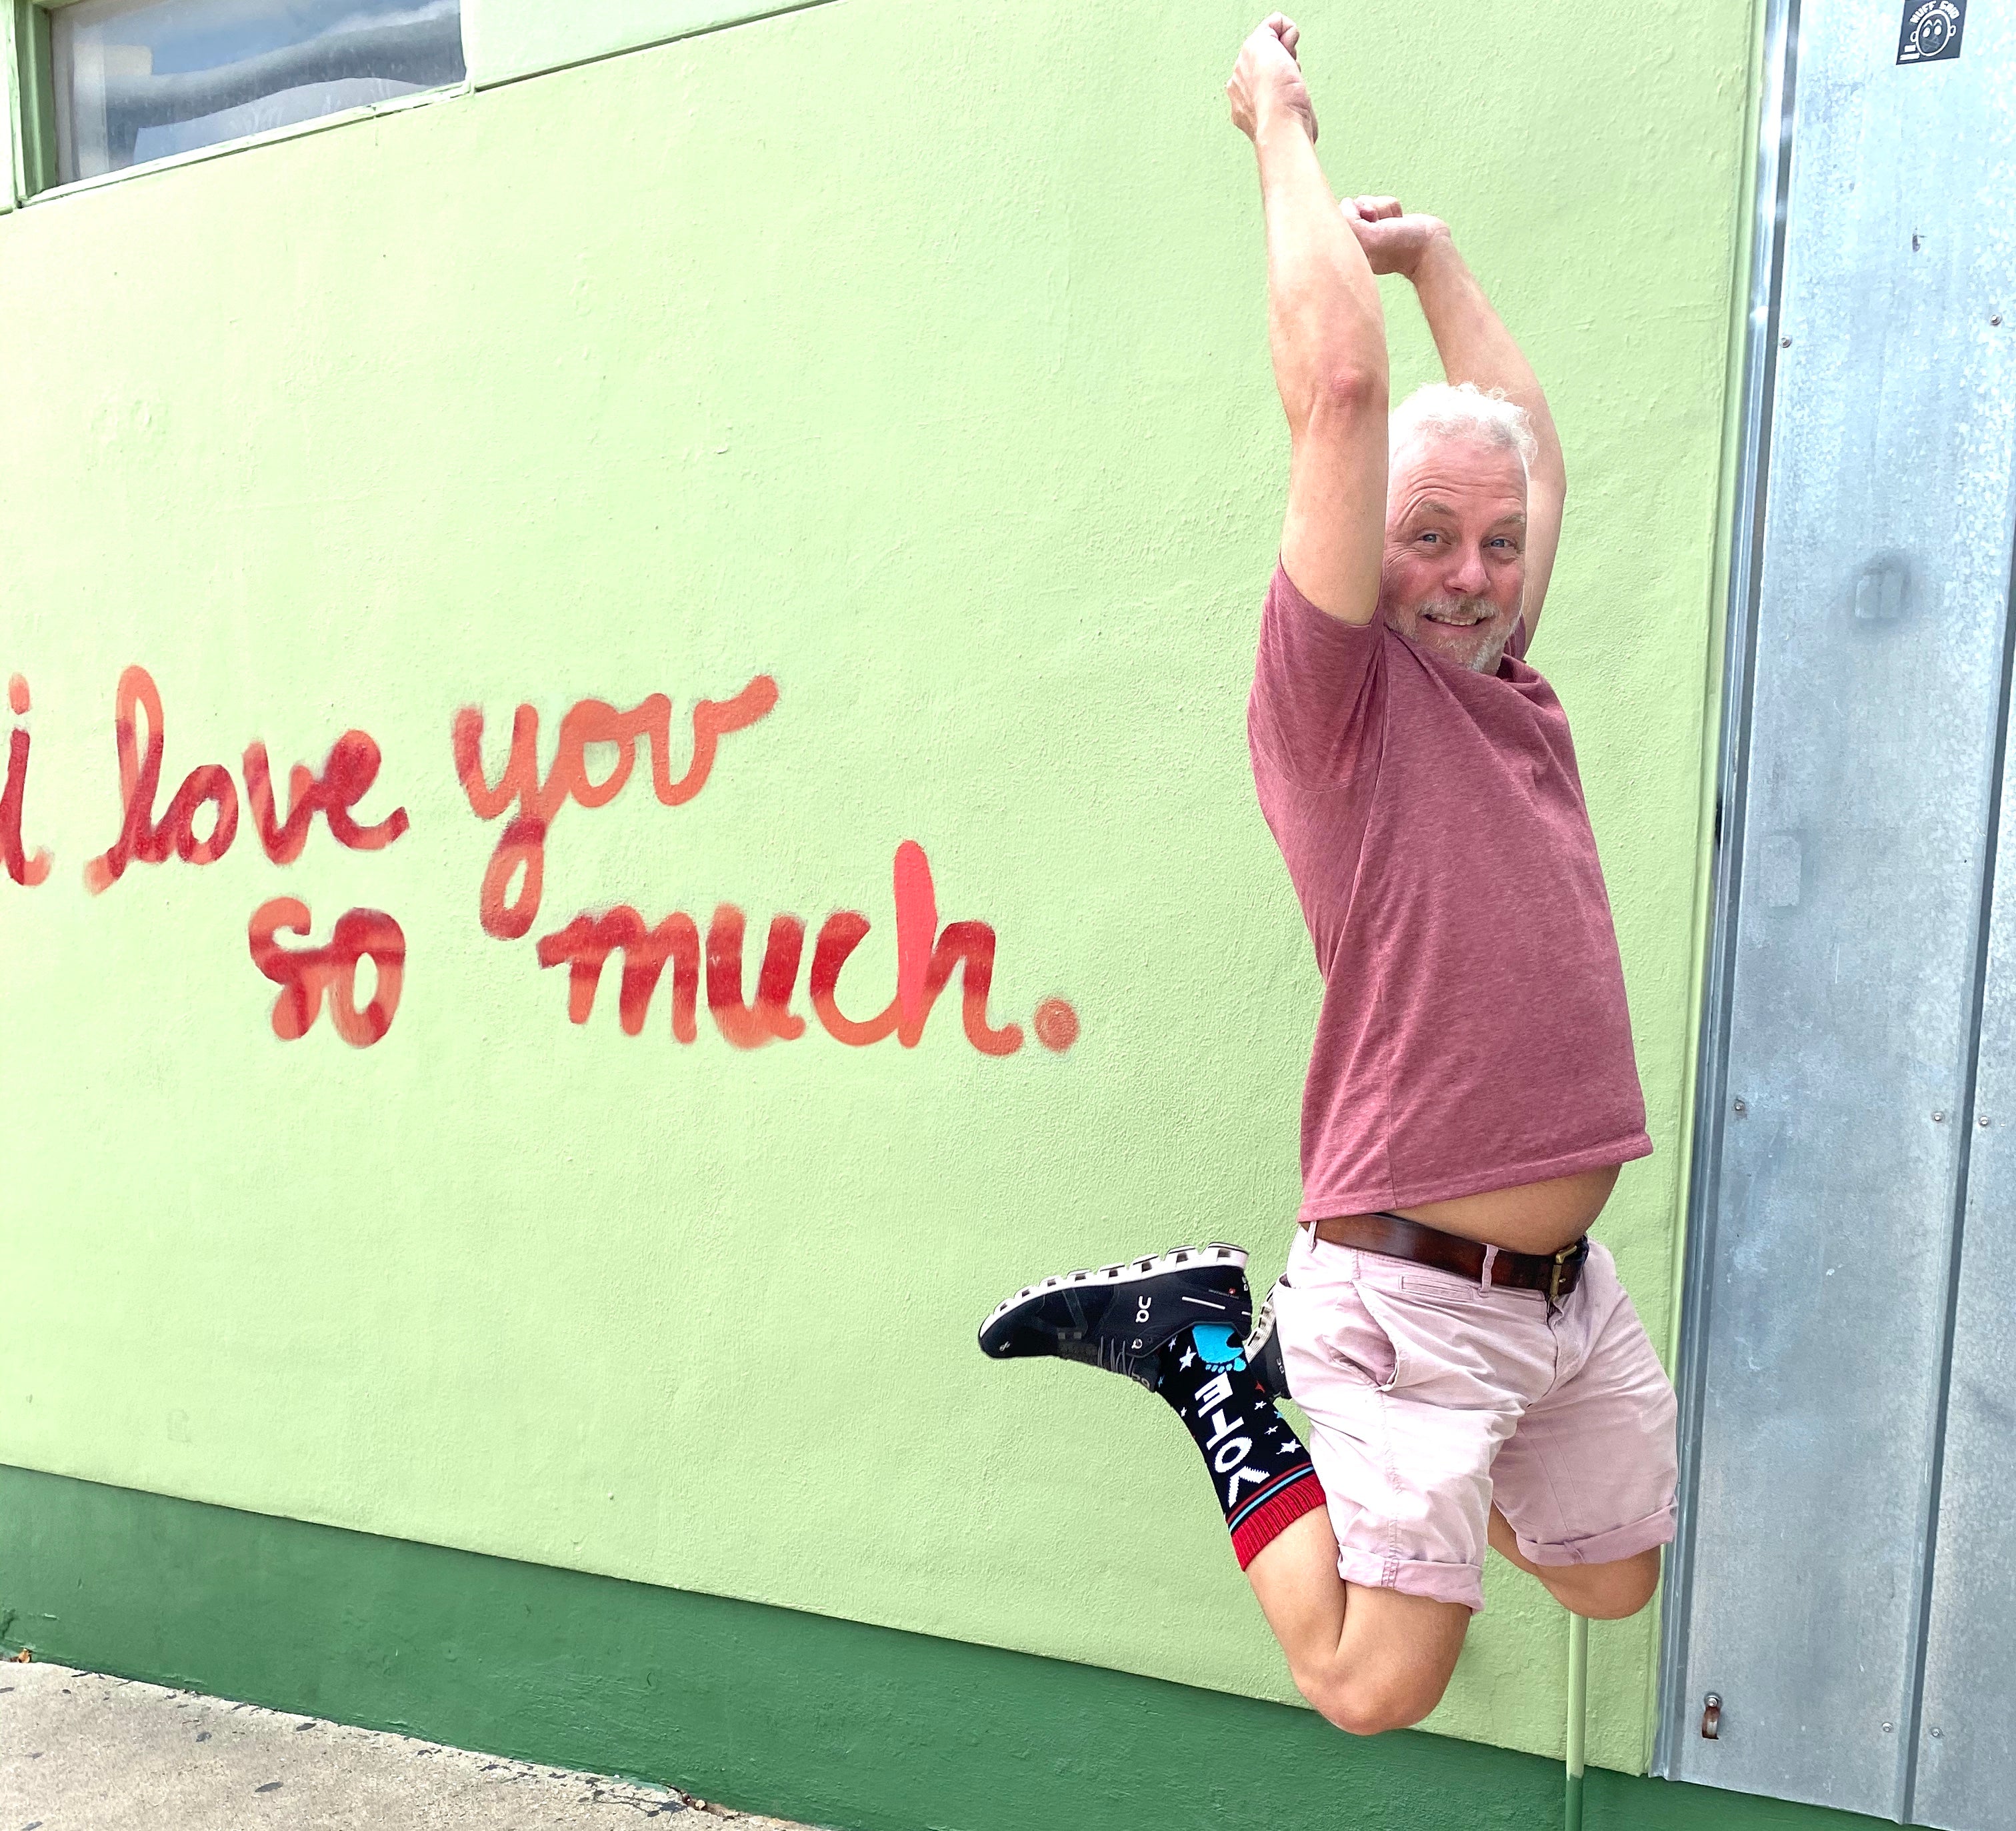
<point>1966,1733</point>
<point>1875,698</point>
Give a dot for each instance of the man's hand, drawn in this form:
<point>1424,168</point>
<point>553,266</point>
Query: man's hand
<point>1394,241</point>
<point>1475,347</point>
<point>1267,81</point>
<point>1327,333</point>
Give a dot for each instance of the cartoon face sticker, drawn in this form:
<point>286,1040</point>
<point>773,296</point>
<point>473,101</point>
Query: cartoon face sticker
<point>1932,31</point>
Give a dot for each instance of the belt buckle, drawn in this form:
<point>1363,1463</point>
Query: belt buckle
<point>1571,1254</point>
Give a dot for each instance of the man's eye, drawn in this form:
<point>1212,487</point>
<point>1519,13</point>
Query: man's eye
<point>1430,536</point>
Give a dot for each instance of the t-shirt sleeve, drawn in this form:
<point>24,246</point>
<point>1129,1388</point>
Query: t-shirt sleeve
<point>1316,687</point>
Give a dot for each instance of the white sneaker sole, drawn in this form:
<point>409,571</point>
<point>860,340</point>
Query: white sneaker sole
<point>1134,1271</point>
<point>1262,1331</point>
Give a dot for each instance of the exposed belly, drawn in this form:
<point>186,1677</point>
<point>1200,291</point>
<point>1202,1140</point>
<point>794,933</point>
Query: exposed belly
<point>1534,1218</point>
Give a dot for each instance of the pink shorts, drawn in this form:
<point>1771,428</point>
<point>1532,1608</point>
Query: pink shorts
<point>1430,1397</point>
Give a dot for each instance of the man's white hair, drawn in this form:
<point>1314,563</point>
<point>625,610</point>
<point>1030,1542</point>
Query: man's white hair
<point>1464,411</point>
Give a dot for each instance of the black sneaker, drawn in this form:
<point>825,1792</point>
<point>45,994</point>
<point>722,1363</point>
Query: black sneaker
<point>1121,1317</point>
<point>1263,1351</point>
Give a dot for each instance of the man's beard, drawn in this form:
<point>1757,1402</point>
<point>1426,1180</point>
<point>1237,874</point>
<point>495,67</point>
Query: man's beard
<point>1481,615</point>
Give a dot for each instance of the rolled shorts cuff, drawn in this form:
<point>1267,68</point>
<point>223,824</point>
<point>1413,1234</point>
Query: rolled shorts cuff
<point>1414,1576</point>
<point>1604,1548</point>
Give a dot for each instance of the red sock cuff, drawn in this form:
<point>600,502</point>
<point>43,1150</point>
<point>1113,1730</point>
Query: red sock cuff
<point>1298,1492</point>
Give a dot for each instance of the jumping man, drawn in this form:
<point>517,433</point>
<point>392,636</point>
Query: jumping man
<point>1472,1371</point>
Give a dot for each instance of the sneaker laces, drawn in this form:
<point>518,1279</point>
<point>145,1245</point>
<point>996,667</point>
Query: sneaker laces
<point>1115,1359</point>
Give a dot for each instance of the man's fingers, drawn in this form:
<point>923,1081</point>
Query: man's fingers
<point>1370,209</point>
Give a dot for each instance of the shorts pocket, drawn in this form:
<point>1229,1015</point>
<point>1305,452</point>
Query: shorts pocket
<point>1355,1342</point>
<point>1446,1287</point>
<point>1464,1348</point>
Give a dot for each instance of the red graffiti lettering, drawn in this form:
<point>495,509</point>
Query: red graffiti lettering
<point>927,959</point>
<point>749,1027</point>
<point>304,974</point>
<point>25,869</point>
<point>206,784</point>
<point>139,837</point>
<point>838,937</point>
<point>589,722</point>
<point>522,847</point>
<point>346,778</point>
<point>352,767</point>
<point>588,940</point>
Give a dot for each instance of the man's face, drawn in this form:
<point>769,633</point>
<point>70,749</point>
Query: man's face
<point>1455,566</point>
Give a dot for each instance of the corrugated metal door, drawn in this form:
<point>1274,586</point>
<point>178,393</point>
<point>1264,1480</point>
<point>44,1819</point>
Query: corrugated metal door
<point>1845,1583</point>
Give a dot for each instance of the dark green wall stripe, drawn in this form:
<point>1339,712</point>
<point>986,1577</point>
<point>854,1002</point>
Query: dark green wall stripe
<point>812,1718</point>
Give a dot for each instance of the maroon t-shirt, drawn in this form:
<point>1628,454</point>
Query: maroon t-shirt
<point>1473,1033</point>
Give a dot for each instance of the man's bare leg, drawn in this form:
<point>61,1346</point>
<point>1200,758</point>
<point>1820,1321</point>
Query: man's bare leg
<point>1373,1659</point>
<point>1603,1592</point>
<point>1369,1659</point>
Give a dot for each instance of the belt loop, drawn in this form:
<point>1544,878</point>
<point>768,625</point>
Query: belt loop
<point>1490,1260</point>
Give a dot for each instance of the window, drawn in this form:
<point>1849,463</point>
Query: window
<point>108,84</point>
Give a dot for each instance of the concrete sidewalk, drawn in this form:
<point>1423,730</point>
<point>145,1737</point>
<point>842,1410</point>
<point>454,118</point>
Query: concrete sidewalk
<point>81,1752</point>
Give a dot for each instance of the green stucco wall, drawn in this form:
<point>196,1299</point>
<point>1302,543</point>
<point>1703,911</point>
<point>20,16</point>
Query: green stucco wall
<point>503,39</point>
<point>916,359</point>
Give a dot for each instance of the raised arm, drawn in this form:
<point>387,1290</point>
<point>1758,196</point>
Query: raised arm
<point>1475,346</point>
<point>1328,335</point>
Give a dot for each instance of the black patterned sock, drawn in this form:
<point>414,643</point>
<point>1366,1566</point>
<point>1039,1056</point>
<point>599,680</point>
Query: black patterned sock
<point>1263,1477</point>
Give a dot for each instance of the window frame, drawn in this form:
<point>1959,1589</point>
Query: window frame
<point>31,86</point>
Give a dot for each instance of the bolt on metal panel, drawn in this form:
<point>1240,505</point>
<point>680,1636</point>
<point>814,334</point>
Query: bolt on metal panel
<point>1852,947</point>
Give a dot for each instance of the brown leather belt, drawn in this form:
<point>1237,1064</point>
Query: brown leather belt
<point>1555,1274</point>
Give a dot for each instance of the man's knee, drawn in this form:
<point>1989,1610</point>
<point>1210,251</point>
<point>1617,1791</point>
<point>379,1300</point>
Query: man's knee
<point>1392,1664</point>
<point>1606,1592</point>
<point>1369,1703</point>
